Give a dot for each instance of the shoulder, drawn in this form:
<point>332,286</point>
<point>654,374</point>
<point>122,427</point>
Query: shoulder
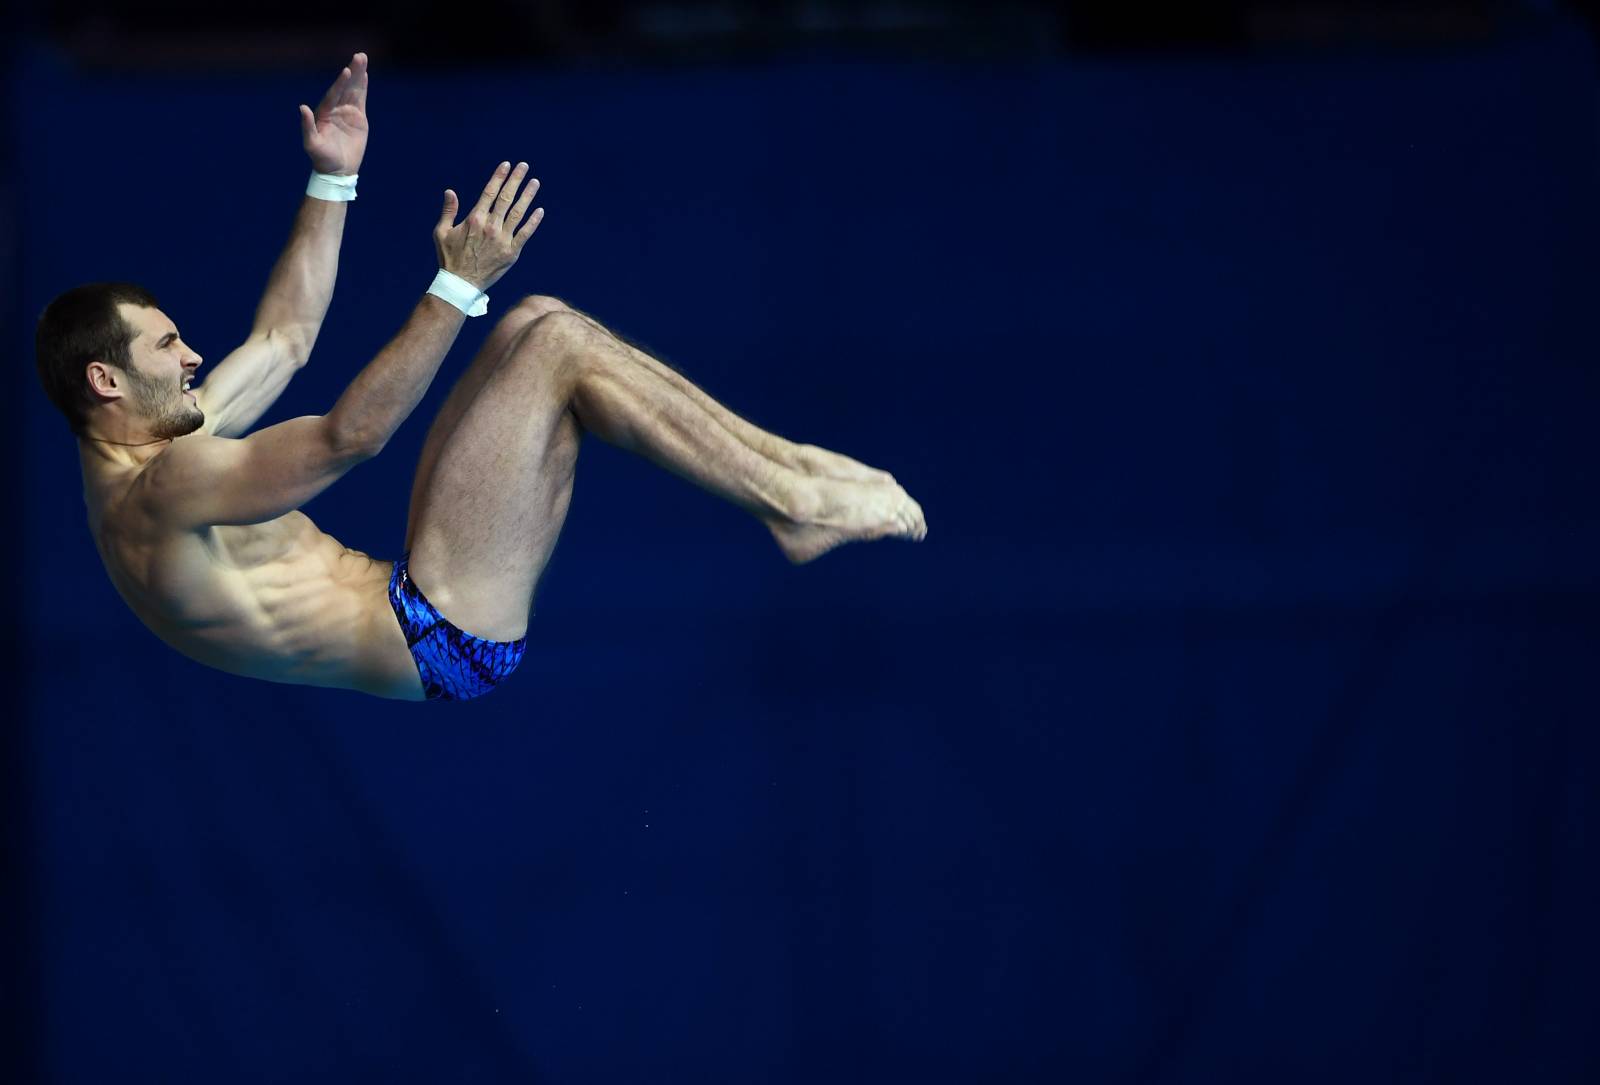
<point>187,457</point>
<point>188,466</point>
<point>130,503</point>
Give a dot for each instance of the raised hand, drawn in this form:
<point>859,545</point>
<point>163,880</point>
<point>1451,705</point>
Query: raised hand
<point>484,245</point>
<point>335,135</point>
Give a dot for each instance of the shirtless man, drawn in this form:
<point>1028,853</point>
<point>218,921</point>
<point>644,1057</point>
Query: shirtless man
<point>198,525</point>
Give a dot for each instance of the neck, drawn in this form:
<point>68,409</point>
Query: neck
<point>125,444</point>
<point>125,449</point>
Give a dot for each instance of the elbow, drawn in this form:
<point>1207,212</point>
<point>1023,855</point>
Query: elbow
<point>352,442</point>
<point>364,446</point>
<point>292,346</point>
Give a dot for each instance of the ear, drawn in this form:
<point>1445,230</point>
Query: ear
<point>103,380</point>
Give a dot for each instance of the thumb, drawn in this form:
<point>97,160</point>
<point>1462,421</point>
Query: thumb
<point>447,217</point>
<point>308,122</point>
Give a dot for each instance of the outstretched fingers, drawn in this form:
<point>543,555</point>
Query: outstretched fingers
<point>519,210</point>
<point>356,88</point>
<point>501,209</point>
<point>508,191</point>
<point>528,227</point>
<point>482,248</point>
<point>491,191</point>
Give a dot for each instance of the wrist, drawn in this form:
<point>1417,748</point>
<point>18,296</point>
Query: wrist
<point>334,187</point>
<point>462,293</point>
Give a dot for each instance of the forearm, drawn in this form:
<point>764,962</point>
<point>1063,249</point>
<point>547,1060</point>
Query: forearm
<point>301,284</point>
<point>393,383</point>
<point>478,250</point>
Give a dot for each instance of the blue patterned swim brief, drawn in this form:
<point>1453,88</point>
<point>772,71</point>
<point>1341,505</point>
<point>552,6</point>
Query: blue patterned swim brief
<point>453,665</point>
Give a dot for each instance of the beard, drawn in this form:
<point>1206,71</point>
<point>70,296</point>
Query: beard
<point>169,414</point>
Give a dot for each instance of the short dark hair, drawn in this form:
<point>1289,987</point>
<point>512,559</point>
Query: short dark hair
<point>79,327</point>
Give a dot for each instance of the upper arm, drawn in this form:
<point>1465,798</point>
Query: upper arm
<point>204,479</point>
<point>241,387</point>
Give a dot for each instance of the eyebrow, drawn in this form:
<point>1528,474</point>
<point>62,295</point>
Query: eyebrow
<point>166,339</point>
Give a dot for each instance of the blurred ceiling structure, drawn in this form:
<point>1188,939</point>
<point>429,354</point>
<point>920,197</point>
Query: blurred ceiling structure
<point>157,34</point>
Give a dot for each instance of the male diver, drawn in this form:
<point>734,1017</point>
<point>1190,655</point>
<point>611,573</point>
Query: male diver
<point>197,520</point>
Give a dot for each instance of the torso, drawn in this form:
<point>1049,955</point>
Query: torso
<point>279,600</point>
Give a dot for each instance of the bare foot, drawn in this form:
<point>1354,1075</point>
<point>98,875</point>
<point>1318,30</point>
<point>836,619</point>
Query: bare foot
<point>842,511</point>
<point>823,463</point>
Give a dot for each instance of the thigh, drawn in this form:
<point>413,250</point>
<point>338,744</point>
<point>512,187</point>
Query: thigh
<point>495,350</point>
<point>492,491</point>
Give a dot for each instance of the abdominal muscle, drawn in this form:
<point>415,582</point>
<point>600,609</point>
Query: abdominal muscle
<point>278,600</point>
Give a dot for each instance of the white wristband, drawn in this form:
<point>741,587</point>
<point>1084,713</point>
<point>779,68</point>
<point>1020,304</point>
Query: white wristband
<point>460,293</point>
<point>338,187</point>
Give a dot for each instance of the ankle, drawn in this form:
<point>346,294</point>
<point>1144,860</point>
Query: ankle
<point>796,497</point>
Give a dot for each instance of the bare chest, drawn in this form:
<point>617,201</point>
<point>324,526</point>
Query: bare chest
<point>280,600</point>
<point>216,575</point>
<point>290,538</point>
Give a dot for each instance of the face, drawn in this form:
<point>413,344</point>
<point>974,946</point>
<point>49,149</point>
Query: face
<point>160,368</point>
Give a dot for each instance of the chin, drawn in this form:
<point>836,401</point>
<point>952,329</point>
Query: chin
<point>181,425</point>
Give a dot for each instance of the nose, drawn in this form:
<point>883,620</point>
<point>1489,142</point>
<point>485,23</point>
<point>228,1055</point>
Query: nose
<point>193,360</point>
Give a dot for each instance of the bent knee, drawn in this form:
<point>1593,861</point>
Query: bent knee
<point>521,316</point>
<point>549,351</point>
<point>534,306</point>
<point>554,332</point>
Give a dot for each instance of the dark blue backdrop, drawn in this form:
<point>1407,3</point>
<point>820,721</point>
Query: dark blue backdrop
<point>1235,722</point>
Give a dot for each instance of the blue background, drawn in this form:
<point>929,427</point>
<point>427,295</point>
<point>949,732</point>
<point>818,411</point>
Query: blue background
<point>1234,723</point>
